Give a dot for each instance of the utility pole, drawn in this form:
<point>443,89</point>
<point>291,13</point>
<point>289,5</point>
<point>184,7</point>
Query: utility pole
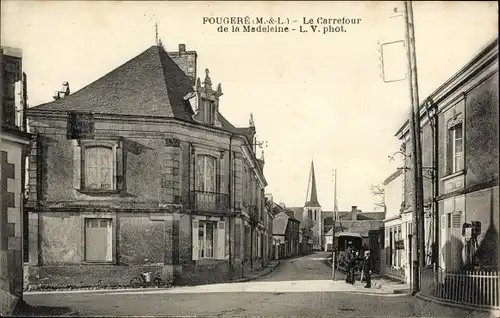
<point>416,152</point>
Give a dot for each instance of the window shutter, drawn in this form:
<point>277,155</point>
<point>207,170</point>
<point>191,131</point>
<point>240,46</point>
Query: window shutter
<point>195,239</point>
<point>223,173</point>
<point>237,183</point>
<point>77,167</point>
<point>221,240</point>
<point>119,166</point>
<point>218,182</point>
<point>456,219</point>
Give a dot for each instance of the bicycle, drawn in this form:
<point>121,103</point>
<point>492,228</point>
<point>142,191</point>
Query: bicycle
<point>146,279</point>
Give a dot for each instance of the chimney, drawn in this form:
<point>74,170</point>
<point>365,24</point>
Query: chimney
<point>63,92</point>
<point>186,60</point>
<point>354,212</point>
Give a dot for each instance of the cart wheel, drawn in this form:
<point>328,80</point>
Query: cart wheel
<point>136,282</point>
<point>159,282</point>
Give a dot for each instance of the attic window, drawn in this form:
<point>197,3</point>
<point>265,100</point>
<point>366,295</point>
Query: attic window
<point>210,112</point>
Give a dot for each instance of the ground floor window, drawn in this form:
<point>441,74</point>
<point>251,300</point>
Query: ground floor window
<point>206,239</point>
<point>98,240</point>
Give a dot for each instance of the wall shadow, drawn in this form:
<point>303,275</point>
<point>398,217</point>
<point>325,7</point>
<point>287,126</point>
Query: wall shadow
<point>27,310</point>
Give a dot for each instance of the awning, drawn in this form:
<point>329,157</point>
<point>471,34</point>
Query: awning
<point>350,234</point>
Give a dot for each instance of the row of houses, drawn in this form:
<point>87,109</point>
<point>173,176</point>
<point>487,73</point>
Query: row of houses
<point>459,124</point>
<point>301,230</point>
<point>137,171</point>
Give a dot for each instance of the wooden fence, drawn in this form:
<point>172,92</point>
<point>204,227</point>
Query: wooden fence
<point>474,287</point>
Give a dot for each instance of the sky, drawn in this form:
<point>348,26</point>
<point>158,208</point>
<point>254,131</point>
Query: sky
<point>313,96</point>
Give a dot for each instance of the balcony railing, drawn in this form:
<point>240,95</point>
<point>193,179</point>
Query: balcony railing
<point>210,201</point>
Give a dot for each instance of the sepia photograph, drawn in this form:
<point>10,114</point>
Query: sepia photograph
<point>249,159</point>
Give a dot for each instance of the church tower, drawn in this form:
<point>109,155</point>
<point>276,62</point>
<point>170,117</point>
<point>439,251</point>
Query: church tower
<point>312,211</point>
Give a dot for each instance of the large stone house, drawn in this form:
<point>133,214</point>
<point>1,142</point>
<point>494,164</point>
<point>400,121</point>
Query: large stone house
<point>138,171</point>
<point>460,129</point>
<point>14,148</point>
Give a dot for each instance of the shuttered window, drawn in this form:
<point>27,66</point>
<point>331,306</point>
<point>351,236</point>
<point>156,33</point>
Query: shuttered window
<point>170,176</point>
<point>208,240</point>
<point>237,183</point>
<point>98,165</point>
<point>99,168</point>
<point>206,173</point>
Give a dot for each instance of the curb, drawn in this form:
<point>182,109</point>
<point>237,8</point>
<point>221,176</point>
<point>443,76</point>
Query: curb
<point>493,312</point>
<point>246,279</point>
<point>104,290</point>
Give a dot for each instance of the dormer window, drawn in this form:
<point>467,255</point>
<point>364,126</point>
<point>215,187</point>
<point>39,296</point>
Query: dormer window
<point>210,112</point>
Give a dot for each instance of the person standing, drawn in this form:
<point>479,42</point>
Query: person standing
<point>349,263</point>
<point>368,269</point>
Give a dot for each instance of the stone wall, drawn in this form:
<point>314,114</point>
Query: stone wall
<point>11,224</point>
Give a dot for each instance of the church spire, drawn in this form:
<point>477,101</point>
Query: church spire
<point>312,194</point>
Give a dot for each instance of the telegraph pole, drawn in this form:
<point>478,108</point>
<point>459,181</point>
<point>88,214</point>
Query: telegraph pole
<point>414,125</point>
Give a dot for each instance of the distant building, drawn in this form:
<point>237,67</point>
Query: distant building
<point>396,257</point>
<point>310,214</point>
<point>14,147</point>
<point>140,168</point>
<point>286,234</point>
<point>367,224</point>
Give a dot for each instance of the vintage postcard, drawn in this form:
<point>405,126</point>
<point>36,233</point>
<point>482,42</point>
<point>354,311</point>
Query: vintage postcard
<point>249,158</point>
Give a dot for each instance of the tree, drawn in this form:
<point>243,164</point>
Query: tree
<point>378,192</point>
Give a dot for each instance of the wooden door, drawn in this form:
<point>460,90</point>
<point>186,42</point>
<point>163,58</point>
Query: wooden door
<point>98,243</point>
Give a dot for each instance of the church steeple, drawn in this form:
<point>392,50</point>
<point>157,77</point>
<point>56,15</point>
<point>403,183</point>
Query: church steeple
<point>312,194</point>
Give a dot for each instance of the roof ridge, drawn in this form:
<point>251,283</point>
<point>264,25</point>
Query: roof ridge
<point>78,92</point>
<point>181,81</point>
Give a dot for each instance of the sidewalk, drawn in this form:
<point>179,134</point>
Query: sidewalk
<point>248,277</point>
<point>257,273</point>
<point>379,282</point>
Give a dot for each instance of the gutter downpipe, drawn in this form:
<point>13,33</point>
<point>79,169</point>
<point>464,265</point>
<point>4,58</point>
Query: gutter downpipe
<point>230,219</point>
<point>435,182</point>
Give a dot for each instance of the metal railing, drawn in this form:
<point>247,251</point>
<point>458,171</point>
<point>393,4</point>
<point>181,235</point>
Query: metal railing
<point>471,287</point>
<point>210,201</point>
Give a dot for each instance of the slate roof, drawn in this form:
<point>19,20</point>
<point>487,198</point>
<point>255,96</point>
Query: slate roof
<point>297,212</point>
<point>150,84</point>
<point>347,216</point>
<point>280,223</point>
